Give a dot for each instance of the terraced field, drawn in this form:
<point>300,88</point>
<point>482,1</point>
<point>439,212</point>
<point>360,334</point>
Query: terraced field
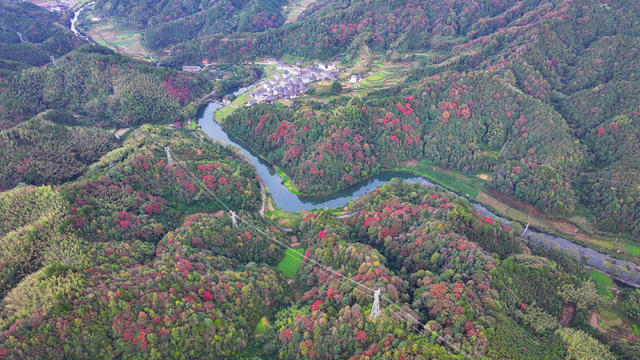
<point>296,7</point>
<point>125,41</point>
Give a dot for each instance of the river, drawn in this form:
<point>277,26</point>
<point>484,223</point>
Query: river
<point>285,199</point>
<point>624,271</point>
<point>74,20</point>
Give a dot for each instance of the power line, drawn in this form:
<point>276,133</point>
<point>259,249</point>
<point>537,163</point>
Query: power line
<point>423,328</point>
<point>177,160</point>
<point>409,318</point>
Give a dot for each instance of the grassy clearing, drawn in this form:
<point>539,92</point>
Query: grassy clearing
<point>290,59</point>
<point>284,218</point>
<point>296,7</point>
<point>286,181</point>
<point>125,41</point>
<point>610,316</point>
<point>603,283</point>
<point>291,263</point>
<point>227,110</point>
<point>632,249</point>
<point>466,185</point>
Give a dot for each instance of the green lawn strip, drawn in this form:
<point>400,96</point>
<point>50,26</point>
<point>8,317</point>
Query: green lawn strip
<point>286,181</point>
<point>449,179</point>
<point>603,283</point>
<point>376,77</point>
<point>291,263</point>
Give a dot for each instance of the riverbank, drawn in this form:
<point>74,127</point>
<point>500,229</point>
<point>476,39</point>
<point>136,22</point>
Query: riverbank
<point>465,186</point>
<point>474,188</point>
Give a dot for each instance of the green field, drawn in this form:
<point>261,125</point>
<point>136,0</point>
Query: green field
<point>603,283</point>
<point>227,110</point>
<point>450,179</point>
<point>633,249</point>
<point>284,218</point>
<point>126,41</point>
<point>291,262</point>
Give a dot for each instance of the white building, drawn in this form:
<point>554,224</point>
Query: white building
<point>193,69</point>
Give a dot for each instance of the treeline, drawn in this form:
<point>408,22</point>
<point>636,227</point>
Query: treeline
<point>129,195</point>
<point>406,243</point>
<point>334,27</point>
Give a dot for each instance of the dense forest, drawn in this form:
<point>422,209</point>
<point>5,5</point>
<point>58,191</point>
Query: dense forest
<point>29,35</point>
<point>112,248</point>
<point>172,22</point>
<point>95,86</point>
<point>551,116</point>
<point>150,277</point>
<point>40,152</point>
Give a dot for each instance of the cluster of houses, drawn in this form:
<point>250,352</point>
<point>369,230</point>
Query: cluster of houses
<point>291,81</point>
<point>55,5</point>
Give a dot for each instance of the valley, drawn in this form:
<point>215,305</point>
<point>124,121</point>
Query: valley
<point>286,179</point>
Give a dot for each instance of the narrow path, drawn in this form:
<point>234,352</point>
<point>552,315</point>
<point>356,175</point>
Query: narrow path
<point>264,198</point>
<point>594,321</point>
<point>351,214</point>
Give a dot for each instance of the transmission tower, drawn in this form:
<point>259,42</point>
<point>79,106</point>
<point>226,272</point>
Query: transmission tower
<point>375,310</point>
<point>169,159</point>
<point>233,219</point>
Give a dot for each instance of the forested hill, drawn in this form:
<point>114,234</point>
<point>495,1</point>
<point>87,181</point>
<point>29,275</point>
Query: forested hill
<point>543,96</point>
<point>169,22</point>
<point>411,26</point>
<point>119,249</point>
<point>123,263</point>
<point>95,86</point>
<point>30,34</point>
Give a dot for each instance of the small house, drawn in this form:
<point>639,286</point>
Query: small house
<point>192,69</point>
<point>355,78</point>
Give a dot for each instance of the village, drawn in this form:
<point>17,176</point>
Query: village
<point>56,5</point>
<point>291,81</point>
